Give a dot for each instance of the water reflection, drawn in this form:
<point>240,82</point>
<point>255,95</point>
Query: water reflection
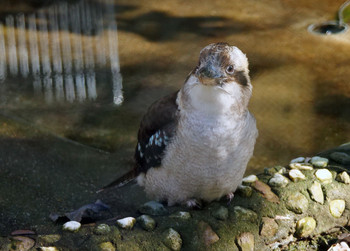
<point>60,47</point>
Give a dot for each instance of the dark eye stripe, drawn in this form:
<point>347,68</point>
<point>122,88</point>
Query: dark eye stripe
<point>241,78</point>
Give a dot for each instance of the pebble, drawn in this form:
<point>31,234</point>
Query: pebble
<point>220,213</point>
<point>172,239</point>
<point>207,234</point>
<point>296,175</point>
<point>340,157</point>
<point>147,222</point>
<point>278,180</point>
<point>22,243</point>
<point>72,226</point>
<point>246,241</point>
<point>301,166</point>
<point>297,203</point>
<point>244,191</point>
<point>249,179</point>
<point>266,192</point>
<point>337,207</point>
<point>102,229</point>
<point>245,214</point>
<point>153,208</point>
<point>298,160</point>
<point>181,215</point>
<point>126,223</point>
<point>316,192</point>
<point>48,249</point>
<point>343,177</point>
<point>324,175</point>
<point>342,246</point>
<point>319,162</point>
<point>107,246</point>
<point>276,169</point>
<point>305,227</point>
<point>23,232</point>
<point>269,227</point>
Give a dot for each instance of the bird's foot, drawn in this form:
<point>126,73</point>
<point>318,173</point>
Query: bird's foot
<point>229,197</point>
<point>193,203</point>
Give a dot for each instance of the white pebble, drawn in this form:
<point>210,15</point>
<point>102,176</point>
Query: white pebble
<point>127,223</point>
<point>71,226</point>
<point>249,179</point>
<point>300,166</point>
<point>337,207</point>
<point>48,249</point>
<point>298,160</point>
<point>296,175</point>
<point>324,175</point>
<point>278,180</point>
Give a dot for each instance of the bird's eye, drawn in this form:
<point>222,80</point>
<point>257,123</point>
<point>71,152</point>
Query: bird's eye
<point>229,69</point>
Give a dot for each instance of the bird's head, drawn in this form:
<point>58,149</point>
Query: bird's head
<point>221,77</point>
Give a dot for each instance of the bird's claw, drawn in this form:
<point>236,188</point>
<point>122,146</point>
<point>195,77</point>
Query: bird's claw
<point>193,203</point>
<point>229,197</point>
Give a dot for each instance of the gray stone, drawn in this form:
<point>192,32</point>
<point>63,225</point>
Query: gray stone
<point>336,208</point>
<point>269,227</point>
<point>276,169</point>
<point>324,175</point>
<point>319,162</point>
<point>343,177</point>
<point>172,239</point>
<point>102,229</point>
<point>340,157</point>
<point>242,213</point>
<point>181,215</point>
<point>278,180</point>
<point>305,227</point>
<point>298,160</point>
<point>297,203</point>
<point>244,191</point>
<point>153,208</point>
<point>106,246</point>
<point>220,213</point>
<point>206,234</point>
<point>147,222</point>
<point>316,192</point>
<point>246,241</point>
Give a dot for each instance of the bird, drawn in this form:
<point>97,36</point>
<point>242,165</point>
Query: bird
<point>194,144</point>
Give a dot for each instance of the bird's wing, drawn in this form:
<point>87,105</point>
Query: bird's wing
<point>156,130</point>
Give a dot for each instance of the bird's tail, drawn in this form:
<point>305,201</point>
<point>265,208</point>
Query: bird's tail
<point>122,181</point>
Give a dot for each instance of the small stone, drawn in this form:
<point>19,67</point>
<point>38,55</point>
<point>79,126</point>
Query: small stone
<point>269,227</point>
<point>244,191</point>
<point>301,166</point>
<point>340,157</point>
<point>23,232</point>
<point>276,169</point>
<point>343,177</point>
<point>102,229</point>
<point>305,226</point>
<point>324,175</point>
<point>72,226</point>
<point>126,223</point>
<point>297,203</point>
<point>298,160</point>
<point>107,246</point>
<point>220,213</point>
<point>266,192</point>
<point>278,180</point>
<point>22,243</point>
<point>249,179</point>
<point>48,249</point>
<point>172,239</point>
<point>337,207</point>
<point>50,238</point>
<point>147,222</point>
<point>316,192</point>
<point>153,208</point>
<point>207,234</point>
<point>319,162</point>
<point>181,215</point>
<point>296,175</point>
<point>245,214</point>
<point>246,241</point>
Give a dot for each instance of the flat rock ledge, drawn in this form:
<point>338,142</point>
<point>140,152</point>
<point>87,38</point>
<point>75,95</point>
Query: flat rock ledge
<point>279,209</point>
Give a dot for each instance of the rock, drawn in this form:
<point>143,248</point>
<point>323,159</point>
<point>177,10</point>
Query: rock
<point>298,160</point>
<point>297,203</point>
<point>244,191</point>
<point>269,227</point>
<point>337,207</point>
<point>23,232</point>
<point>276,169</point>
<point>278,180</point>
<point>48,249</point>
<point>181,215</point>
<point>126,223</point>
<point>343,177</point>
<point>340,157</point>
<point>172,239</point>
<point>106,246</point>
<point>72,226</point>
<point>50,238</point>
<point>249,179</point>
<point>301,166</point>
<point>153,208</point>
<point>146,222</point>
<point>342,246</point>
<point>296,175</point>
<point>206,234</point>
<point>305,227</point>
<point>22,243</point>
<point>220,213</point>
<point>324,175</point>
<point>242,213</point>
<point>316,192</point>
<point>246,241</point>
<point>102,229</point>
<point>319,162</point>
<point>265,190</point>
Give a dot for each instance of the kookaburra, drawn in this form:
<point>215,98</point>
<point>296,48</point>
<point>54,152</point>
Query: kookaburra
<point>195,144</point>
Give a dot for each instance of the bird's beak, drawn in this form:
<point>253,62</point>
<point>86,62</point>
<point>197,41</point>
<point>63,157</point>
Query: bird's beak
<point>208,74</point>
